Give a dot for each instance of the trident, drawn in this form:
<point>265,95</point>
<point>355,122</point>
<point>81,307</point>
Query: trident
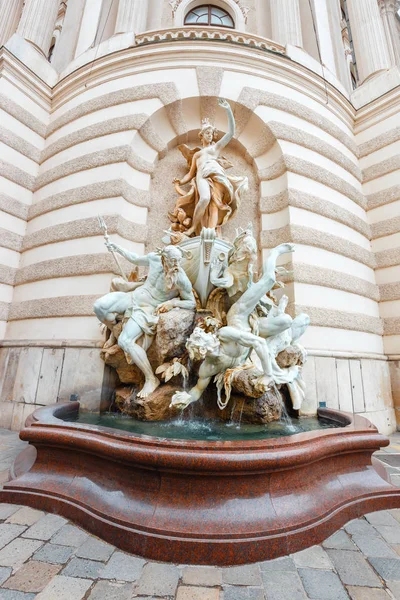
<point>103,227</point>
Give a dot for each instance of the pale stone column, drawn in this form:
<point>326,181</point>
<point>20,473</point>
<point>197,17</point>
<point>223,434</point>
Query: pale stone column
<point>132,16</point>
<point>370,44</point>
<point>388,11</point>
<point>10,12</point>
<point>37,22</point>
<point>286,22</point>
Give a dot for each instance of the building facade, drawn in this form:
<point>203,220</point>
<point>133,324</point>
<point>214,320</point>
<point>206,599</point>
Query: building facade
<point>95,97</point>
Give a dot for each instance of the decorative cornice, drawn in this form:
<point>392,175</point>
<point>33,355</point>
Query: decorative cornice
<point>177,34</point>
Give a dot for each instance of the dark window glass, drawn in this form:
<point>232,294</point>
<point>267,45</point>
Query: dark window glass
<point>209,15</point>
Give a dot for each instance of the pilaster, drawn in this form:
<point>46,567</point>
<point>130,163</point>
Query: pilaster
<point>9,17</point>
<point>132,16</point>
<point>37,23</point>
<point>286,22</point>
<point>388,11</point>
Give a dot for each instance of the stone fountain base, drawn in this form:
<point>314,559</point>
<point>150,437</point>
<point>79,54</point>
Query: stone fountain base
<point>217,503</point>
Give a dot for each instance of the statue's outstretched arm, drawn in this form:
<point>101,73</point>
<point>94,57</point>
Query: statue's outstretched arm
<point>189,176</point>
<point>136,259</point>
<point>231,125</point>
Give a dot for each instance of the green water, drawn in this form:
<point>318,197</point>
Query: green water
<point>196,429</point>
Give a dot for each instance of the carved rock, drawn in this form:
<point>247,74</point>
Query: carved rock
<point>244,382</point>
<point>153,408</point>
<point>173,329</point>
<point>292,355</point>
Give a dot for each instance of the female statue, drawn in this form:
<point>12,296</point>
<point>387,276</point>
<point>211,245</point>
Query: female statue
<point>214,196</point>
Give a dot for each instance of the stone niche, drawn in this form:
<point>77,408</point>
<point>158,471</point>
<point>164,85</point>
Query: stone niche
<point>163,194</point>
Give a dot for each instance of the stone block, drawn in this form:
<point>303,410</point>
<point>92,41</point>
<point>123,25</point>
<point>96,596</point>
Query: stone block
<point>45,528</point>
<point>69,535</point>
<point>381,517</point>
<point>65,588</point>
<point>280,585</point>
<point>107,590</point>
<point>82,375</point>
<point>326,378</point>
<point>198,593</point>
<point>377,389</point>
<point>18,551</point>
<point>123,567</point>
<point>6,510</point>
<point>388,568</point>
<point>314,558</point>
<point>202,576</point>
<point>10,364</point>
<point>323,585</point>
<point>54,554</point>
<point>344,385</point>
<point>25,516</point>
<point>357,386</point>
<point>27,375</point>
<point>373,546</point>
<point>8,532</point>
<point>310,403</point>
<point>242,575</point>
<point>353,569</point>
<point>6,413</point>
<point>360,526</point>
<point>339,540</point>
<point>364,593</point>
<point>278,564</point>
<point>5,573</point>
<point>394,587</point>
<point>391,533</point>
<point>50,376</point>
<point>32,577</point>
<point>15,595</point>
<point>95,549</point>
<point>158,580</point>
<point>20,414</point>
<point>81,567</point>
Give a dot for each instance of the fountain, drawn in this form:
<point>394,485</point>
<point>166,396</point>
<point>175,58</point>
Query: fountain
<point>207,457</point>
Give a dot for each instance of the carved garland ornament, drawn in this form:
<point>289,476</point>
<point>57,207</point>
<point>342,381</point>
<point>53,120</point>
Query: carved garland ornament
<point>174,4</point>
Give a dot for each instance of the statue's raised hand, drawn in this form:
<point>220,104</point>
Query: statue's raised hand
<point>111,247</point>
<point>223,103</point>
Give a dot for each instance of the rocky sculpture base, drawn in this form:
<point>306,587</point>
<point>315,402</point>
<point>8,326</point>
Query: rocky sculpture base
<point>197,502</point>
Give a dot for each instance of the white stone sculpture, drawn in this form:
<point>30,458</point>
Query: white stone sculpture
<point>213,196</point>
<point>230,347</point>
<point>166,287</point>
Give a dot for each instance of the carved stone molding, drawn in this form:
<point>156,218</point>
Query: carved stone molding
<point>208,33</point>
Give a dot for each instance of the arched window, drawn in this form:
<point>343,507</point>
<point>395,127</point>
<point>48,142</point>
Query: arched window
<point>207,14</point>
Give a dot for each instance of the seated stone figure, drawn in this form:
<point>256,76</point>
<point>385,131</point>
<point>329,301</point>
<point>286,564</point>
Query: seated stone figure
<point>165,288</point>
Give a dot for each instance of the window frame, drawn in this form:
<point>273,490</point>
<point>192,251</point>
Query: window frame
<point>209,24</point>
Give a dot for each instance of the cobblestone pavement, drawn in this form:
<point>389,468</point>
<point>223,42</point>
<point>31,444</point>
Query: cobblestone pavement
<point>44,556</point>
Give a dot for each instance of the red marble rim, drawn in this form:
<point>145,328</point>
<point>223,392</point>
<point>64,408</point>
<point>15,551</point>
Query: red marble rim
<point>202,502</point>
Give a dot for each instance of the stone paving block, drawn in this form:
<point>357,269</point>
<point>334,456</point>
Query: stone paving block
<point>199,593</point>
<point>108,590</point>
<point>339,541</point>
<point>322,585</point>
<point>6,510</point>
<point>81,567</point>
<point>14,595</point>
<point>243,593</point>
<point>395,480</point>
<point>279,585</point>
<point>69,535</point>
<point>395,512</point>
<point>373,546</point>
<point>314,558</point>
<point>353,569</point>
<point>95,549</point>
<point>202,576</point>
<point>391,533</point>
<point>382,517</point>
<point>65,588</point>
<point>123,567</point>
<point>278,564</point>
<point>363,593</point>
<point>158,580</point>
<point>396,548</point>
<point>5,573</point>
<point>388,568</point>
<point>25,516</point>
<point>242,575</point>
<point>51,553</point>
<point>45,528</point>
<point>360,526</point>
<point>394,587</point>
<point>18,551</point>
<point>9,532</point>
<point>32,577</point>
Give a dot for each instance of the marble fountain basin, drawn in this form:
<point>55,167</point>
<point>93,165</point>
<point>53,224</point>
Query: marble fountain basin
<point>201,502</point>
